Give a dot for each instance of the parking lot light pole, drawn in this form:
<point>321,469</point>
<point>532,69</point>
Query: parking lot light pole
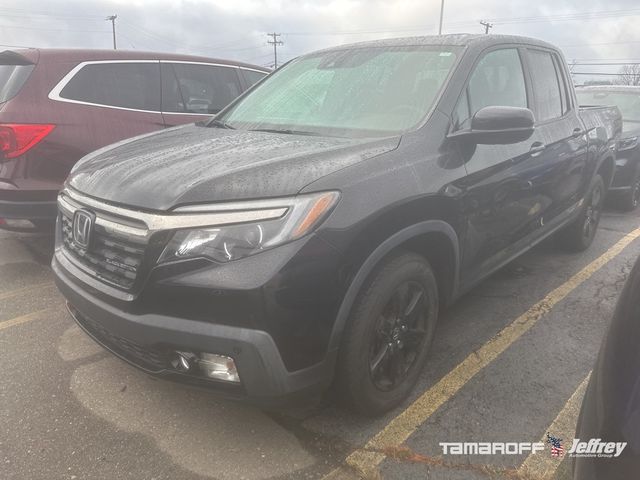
<point>112,18</point>
<point>441,16</point>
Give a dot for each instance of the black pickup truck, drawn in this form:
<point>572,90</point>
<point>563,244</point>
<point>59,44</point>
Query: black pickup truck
<point>625,187</point>
<point>311,233</point>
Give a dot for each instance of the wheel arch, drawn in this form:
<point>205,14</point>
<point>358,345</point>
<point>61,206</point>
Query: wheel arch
<point>606,169</point>
<point>436,240</point>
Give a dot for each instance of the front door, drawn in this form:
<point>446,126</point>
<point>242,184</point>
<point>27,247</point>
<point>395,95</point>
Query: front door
<point>500,204</point>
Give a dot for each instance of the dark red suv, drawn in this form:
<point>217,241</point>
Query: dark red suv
<point>58,105</point>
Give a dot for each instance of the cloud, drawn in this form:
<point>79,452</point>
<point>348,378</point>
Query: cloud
<point>237,29</point>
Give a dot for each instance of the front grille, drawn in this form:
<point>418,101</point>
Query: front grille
<point>144,357</point>
<point>114,260</point>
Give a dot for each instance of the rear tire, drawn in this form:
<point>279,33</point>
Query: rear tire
<point>388,335</point>
<point>631,199</point>
<point>579,234</point>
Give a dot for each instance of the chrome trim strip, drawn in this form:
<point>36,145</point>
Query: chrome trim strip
<point>216,215</point>
<point>54,94</point>
<point>255,70</point>
<point>236,206</point>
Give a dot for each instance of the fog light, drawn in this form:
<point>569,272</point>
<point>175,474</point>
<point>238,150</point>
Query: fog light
<point>218,367</point>
<point>182,361</point>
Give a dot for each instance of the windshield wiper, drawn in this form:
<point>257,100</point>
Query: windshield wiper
<point>219,124</point>
<point>285,131</point>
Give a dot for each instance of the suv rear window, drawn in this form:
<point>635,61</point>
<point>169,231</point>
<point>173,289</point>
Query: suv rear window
<point>126,85</point>
<point>12,78</point>
<point>198,88</point>
<point>252,76</point>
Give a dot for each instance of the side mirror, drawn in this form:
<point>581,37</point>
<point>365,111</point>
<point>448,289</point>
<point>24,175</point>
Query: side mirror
<point>498,126</point>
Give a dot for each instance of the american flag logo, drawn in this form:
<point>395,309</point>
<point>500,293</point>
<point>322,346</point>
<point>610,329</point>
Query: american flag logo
<point>557,450</point>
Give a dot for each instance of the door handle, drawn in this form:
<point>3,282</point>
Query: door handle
<point>577,132</point>
<point>537,148</point>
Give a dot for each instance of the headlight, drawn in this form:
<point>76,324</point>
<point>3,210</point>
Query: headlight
<point>627,143</point>
<point>231,242</point>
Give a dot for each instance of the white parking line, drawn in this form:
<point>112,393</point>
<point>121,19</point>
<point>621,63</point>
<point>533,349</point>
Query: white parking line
<point>543,465</point>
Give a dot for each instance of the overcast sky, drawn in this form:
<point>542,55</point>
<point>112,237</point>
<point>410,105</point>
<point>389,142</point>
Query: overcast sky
<point>236,29</point>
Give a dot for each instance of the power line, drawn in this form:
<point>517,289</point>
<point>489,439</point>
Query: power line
<point>227,46</point>
<point>596,74</point>
<point>22,27</point>
<point>606,64</point>
<point>276,43</point>
<point>14,12</point>
<point>577,45</point>
<point>570,16</point>
<point>65,17</point>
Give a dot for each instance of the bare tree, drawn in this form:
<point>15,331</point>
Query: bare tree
<point>629,75</point>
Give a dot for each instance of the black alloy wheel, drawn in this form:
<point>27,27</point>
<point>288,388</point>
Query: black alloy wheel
<point>388,335</point>
<point>400,334</point>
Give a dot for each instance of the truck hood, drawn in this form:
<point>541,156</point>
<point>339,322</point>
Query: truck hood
<point>197,164</point>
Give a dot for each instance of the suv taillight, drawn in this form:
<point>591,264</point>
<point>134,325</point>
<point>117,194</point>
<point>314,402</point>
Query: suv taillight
<point>17,138</point>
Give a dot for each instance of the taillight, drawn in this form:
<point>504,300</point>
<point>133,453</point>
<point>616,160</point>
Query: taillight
<point>17,138</point>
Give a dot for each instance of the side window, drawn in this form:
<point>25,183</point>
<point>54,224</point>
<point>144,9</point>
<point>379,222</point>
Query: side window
<point>127,85</point>
<point>498,80</point>
<point>545,85</point>
<point>564,91</point>
<point>194,88</point>
<point>252,77</point>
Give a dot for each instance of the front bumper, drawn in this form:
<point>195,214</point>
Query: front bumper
<point>147,341</point>
<point>28,210</point>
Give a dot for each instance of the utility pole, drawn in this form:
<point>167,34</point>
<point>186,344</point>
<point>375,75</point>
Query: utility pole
<point>112,18</point>
<point>486,26</point>
<point>275,42</point>
<point>441,17</point>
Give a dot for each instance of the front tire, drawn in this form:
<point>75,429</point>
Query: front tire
<point>579,234</point>
<point>388,335</point>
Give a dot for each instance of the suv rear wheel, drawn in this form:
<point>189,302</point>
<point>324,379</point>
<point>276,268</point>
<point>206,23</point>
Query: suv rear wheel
<point>387,339</point>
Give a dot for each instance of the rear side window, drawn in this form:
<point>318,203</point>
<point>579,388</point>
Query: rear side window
<point>498,80</point>
<point>126,85</point>
<point>546,85</point>
<point>198,88</point>
<point>252,77</point>
<point>12,78</point>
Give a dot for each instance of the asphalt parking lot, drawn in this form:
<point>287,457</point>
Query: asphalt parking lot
<point>509,363</point>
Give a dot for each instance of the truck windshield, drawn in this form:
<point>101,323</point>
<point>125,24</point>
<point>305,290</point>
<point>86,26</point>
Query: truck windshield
<point>627,102</point>
<point>358,92</point>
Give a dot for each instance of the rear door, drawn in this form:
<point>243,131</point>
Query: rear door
<point>195,91</point>
<point>559,165</point>
<point>95,104</point>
